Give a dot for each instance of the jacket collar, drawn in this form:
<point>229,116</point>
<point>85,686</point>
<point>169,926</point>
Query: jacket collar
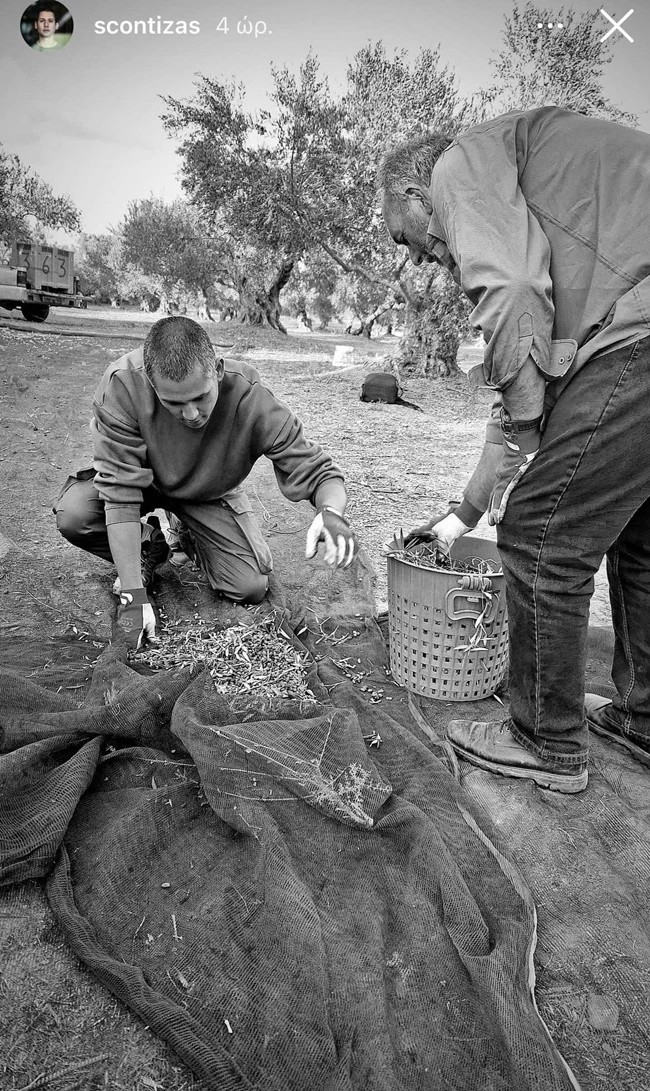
<point>434,227</point>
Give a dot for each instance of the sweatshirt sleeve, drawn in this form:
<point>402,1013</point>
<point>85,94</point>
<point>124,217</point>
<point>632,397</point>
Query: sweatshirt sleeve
<point>120,454</point>
<point>300,464</point>
<point>501,251</point>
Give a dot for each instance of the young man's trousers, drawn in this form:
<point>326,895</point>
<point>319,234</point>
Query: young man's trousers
<point>224,536</point>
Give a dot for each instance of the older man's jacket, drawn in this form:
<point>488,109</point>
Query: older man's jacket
<point>547,215</point>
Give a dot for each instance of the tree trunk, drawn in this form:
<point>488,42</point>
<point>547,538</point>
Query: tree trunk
<point>304,318</point>
<point>282,277</point>
<point>365,329</point>
<point>260,308</point>
<point>429,347</point>
<point>204,314</point>
<point>367,323</point>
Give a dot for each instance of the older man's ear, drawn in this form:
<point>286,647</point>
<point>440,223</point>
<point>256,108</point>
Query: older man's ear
<point>420,195</point>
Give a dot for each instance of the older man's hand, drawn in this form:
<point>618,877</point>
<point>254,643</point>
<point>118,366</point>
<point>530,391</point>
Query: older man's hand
<point>441,529</point>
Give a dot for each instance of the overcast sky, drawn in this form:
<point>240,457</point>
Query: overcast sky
<point>87,117</point>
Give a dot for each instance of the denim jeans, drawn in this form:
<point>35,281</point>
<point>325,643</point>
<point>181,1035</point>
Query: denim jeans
<point>585,495</point>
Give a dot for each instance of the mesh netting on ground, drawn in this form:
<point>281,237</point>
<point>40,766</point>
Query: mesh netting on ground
<point>287,907</point>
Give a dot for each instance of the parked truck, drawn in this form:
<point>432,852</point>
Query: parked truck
<point>35,277</point>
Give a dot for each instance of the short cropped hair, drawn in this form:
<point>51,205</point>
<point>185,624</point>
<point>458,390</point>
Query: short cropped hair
<point>173,348</point>
<point>408,162</point>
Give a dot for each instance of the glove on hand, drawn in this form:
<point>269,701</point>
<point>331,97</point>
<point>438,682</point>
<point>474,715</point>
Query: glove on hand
<point>444,529</point>
<point>136,618</point>
<point>439,528</point>
<point>519,450</point>
<point>334,531</point>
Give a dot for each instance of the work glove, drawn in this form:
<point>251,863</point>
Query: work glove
<point>521,442</point>
<point>136,618</point>
<point>443,529</point>
<point>333,530</point>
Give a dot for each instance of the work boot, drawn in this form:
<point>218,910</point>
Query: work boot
<point>603,719</point>
<point>491,745</point>
<point>178,540</point>
<point>154,551</point>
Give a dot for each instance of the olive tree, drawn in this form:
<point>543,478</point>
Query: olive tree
<point>28,205</point>
<point>563,67</point>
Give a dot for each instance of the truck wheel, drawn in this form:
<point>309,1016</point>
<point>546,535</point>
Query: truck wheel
<point>35,312</point>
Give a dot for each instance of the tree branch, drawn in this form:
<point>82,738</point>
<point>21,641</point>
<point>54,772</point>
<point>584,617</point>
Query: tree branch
<point>349,267</point>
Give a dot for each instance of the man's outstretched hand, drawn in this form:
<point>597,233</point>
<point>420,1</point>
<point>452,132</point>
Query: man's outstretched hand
<point>333,530</point>
<point>136,618</point>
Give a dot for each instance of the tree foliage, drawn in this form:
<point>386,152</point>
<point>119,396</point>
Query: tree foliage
<point>285,197</point>
<point>107,273</point>
<point>389,100</point>
<point>312,293</point>
<point>540,67</point>
<point>168,243</point>
<point>297,181</point>
<point>229,174</point>
<point>98,263</point>
<point>28,205</point>
<point>156,255</point>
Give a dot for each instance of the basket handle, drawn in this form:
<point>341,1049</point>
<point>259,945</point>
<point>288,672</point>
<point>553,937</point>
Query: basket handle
<point>475,583</point>
<point>462,603</point>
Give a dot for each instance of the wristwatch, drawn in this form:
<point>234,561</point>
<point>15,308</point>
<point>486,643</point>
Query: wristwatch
<point>511,427</point>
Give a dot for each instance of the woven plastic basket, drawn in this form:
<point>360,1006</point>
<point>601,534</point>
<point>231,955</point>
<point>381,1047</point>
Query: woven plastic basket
<point>448,631</point>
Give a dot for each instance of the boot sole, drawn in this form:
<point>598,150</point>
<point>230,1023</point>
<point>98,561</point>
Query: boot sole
<point>637,752</point>
<point>567,783</point>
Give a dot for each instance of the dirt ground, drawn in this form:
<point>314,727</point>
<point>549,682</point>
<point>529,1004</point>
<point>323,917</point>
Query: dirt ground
<point>400,465</point>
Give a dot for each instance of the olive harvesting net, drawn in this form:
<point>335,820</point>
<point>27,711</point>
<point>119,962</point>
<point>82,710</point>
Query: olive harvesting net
<point>293,900</point>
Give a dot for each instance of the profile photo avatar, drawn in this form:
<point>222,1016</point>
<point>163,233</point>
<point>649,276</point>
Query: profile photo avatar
<point>46,26</point>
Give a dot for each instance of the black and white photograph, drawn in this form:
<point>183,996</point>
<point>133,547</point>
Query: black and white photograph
<point>324,546</point>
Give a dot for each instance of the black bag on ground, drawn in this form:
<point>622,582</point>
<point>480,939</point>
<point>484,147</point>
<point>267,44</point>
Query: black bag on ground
<point>381,386</point>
